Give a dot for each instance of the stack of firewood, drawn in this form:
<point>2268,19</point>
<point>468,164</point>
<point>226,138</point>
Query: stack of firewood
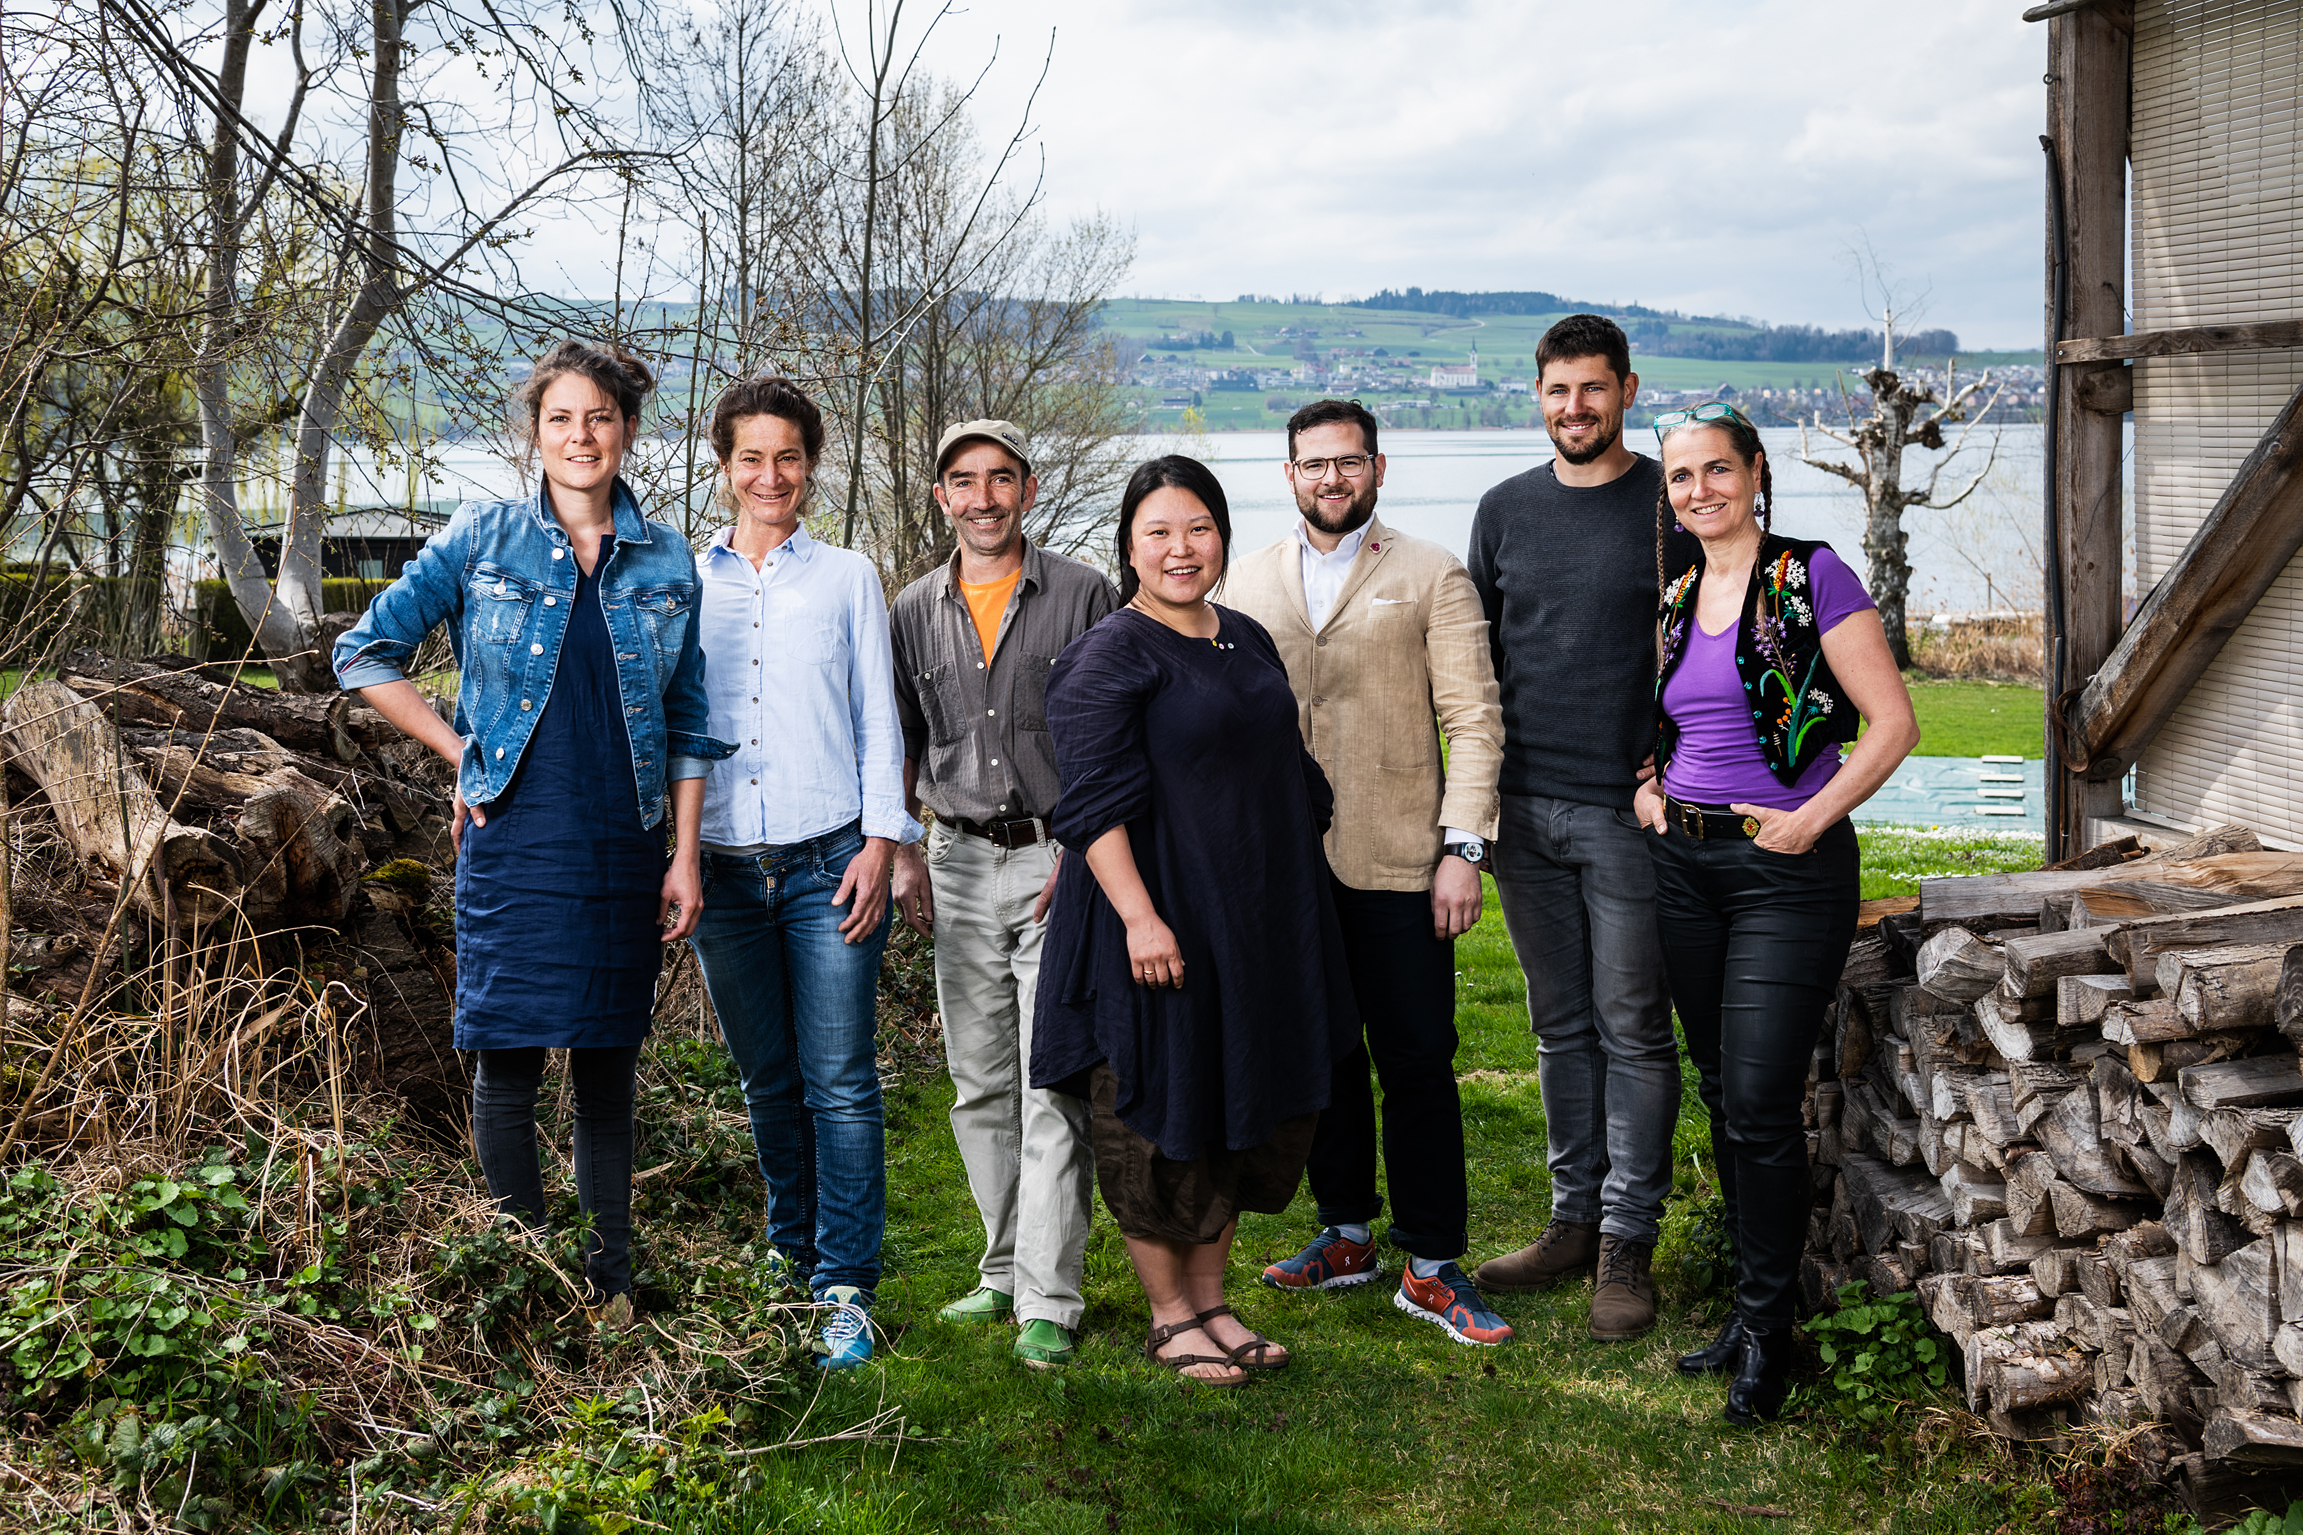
<point>2066,1107</point>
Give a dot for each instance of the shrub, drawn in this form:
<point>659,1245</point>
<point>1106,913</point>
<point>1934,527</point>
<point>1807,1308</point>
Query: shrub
<point>1875,1354</point>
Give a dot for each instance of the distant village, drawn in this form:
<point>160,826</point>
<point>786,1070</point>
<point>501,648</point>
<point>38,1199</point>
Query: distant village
<point>1395,382</point>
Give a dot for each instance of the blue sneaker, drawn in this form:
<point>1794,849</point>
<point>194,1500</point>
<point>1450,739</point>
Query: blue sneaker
<point>1331,1262</point>
<point>846,1340</point>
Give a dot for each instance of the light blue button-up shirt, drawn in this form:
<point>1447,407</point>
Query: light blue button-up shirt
<point>801,678</point>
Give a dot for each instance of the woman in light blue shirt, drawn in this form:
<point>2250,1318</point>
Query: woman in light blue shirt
<point>800,830</point>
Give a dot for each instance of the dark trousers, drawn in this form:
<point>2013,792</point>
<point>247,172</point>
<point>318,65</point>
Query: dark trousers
<point>1404,981</point>
<point>504,1088</point>
<point>1754,942</point>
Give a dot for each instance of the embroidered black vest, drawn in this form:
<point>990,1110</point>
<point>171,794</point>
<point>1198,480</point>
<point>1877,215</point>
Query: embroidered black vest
<point>1797,707</point>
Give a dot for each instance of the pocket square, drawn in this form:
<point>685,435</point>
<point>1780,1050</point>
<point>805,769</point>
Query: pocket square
<point>1384,602</point>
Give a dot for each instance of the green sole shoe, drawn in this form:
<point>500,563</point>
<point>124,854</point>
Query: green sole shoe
<point>981,1304</point>
<point>1045,1346</point>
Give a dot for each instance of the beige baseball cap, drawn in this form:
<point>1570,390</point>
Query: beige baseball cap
<point>1006,433</point>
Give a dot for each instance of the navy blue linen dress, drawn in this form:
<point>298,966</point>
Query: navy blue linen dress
<point>1193,747</point>
<point>556,897</point>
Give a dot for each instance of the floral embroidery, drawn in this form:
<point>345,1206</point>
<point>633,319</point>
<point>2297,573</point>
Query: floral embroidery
<point>1781,661</point>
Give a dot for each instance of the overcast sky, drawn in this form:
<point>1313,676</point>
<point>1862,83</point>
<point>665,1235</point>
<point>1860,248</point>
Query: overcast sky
<point>1715,156</point>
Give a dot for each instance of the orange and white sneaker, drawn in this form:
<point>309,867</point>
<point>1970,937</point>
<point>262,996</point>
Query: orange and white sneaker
<point>1331,1262</point>
<point>1449,1298</point>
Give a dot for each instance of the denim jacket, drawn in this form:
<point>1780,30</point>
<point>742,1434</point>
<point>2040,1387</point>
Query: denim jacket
<point>500,576</point>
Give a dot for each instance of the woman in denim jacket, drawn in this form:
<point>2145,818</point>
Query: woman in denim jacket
<point>581,713</point>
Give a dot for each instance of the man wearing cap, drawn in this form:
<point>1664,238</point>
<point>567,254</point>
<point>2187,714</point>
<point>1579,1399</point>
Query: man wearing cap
<point>973,643</point>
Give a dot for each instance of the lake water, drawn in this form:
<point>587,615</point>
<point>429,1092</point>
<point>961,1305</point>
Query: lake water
<point>1981,555</point>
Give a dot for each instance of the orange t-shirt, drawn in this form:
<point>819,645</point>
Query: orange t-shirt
<point>987,604</point>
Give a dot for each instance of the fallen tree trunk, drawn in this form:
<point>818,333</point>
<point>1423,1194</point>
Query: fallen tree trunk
<point>326,724</point>
<point>109,813</point>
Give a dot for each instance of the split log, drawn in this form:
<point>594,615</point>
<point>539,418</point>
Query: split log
<point>2236,1386</point>
<point>2150,1290</point>
<point>2144,1023</point>
<point>2253,1438</point>
<point>2030,1204</point>
<point>109,813</point>
<point>2127,900</point>
<point>2201,1230</point>
<point>2287,1263</point>
<point>1990,1101</point>
<point>2138,945</point>
<point>2081,1213</point>
<point>2164,1062</point>
<point>1992,900</point>
<point>2035,964</point>
<point>2154,1171</point>
<point>2236,1134</point>
<point>2139,1244</point>
<point>2081,1000</point>
<point>1958,966</point>
<point>2255,1082</point>
<point>2017,1038</point>
<point>2020,1381</point>
<point>2098,1280</point>
<point>1939,1298</point>
<point>1891,1203</point>
<point>2238,1298</point>
<point>2162,1377</point>
<point>2288,1008</point>
<point>1976,1196</point>
<point>2073,1138</point>
<point>1986,1346</point>
<point>2234,987</point>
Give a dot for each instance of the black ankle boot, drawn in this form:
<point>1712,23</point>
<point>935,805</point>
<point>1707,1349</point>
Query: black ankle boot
<point>1762,1377</point>
<point>1723,1352</point>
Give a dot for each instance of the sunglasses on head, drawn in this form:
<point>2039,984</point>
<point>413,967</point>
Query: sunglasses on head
<point>1716,410</point>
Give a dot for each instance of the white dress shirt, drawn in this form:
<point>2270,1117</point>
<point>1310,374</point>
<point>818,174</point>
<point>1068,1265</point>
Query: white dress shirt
<point>1323,574</point>
<point>800,676</point>
<point>1323,578</point>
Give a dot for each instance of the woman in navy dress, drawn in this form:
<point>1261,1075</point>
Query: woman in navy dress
<point>1193,986</point>
<point>581,712</point>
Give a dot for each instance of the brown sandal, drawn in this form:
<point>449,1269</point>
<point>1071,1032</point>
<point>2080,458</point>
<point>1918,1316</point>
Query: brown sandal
<point>1256,1344</point>
<point>1182,1362</point>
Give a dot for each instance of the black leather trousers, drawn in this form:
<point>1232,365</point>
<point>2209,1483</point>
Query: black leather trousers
<point>1753,942</point>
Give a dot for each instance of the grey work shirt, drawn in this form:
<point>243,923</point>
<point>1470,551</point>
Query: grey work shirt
<point>978,730</point>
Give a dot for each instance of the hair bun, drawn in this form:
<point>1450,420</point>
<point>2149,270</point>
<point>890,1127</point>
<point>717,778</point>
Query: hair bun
<point>642,379</point>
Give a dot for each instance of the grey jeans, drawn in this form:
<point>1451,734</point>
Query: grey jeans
<point>1029,1161</point>
<point>1578,894</point>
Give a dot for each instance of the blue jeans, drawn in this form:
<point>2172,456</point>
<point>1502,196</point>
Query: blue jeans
<point>1578,896</point>
<point>797,1005</point>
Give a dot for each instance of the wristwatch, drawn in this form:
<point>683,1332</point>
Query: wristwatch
<point>1471,850</point>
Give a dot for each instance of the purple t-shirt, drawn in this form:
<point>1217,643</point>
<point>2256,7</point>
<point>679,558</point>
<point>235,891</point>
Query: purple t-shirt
<point>1717,760</point>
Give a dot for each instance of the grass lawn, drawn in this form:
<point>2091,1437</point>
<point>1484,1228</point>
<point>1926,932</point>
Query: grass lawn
<point>1963,718</point>
<point>1380,1424</point>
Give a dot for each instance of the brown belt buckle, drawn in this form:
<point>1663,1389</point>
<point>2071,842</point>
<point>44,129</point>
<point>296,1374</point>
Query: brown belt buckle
<point>1686,817</point>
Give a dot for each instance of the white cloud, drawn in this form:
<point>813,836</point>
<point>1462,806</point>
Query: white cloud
<point>1683,153</point>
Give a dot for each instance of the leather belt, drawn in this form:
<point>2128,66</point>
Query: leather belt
<point>1024,831</point>
<point>1702,821</point>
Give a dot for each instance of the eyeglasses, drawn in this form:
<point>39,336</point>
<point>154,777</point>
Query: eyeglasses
<point>1351,466</point>
<point>1716,410</point>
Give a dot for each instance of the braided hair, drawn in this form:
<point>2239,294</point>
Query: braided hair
<point>1744,438</point>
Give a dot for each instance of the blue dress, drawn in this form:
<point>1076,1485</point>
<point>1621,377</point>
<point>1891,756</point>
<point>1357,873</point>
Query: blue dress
<point>1193,747</point>
<point>556,897</point>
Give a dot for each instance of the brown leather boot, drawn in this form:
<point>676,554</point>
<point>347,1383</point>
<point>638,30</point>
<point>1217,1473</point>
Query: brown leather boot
<point>1624,1304</point>
<point>1566,1250</point>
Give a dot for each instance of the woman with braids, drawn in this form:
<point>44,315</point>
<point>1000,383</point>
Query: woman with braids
<point>1192,981</point>
<point>580,716</point>
<point>1768,652</point>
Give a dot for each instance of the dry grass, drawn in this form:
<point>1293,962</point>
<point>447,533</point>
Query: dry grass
<point>1998,647</point>
<point>364,1302</point>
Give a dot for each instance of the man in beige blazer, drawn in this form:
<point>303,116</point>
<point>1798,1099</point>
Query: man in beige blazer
<point>1386,648</point>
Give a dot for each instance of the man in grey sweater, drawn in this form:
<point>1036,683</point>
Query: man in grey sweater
<point>1564,559</point>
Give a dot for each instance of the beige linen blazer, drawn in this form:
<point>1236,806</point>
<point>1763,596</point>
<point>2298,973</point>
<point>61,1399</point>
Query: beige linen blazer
<point>1402,658</point>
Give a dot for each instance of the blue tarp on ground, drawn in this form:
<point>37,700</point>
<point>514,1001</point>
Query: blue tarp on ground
<point>1974,792</point>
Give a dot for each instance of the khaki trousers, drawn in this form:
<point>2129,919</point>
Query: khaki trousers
<point>1029,1161</point>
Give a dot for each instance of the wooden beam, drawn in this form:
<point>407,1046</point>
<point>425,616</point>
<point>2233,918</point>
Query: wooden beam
<point>2183,341</point>
<point>2055,8</point>
<point>2088,110</point>
<point>2246,541</point>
